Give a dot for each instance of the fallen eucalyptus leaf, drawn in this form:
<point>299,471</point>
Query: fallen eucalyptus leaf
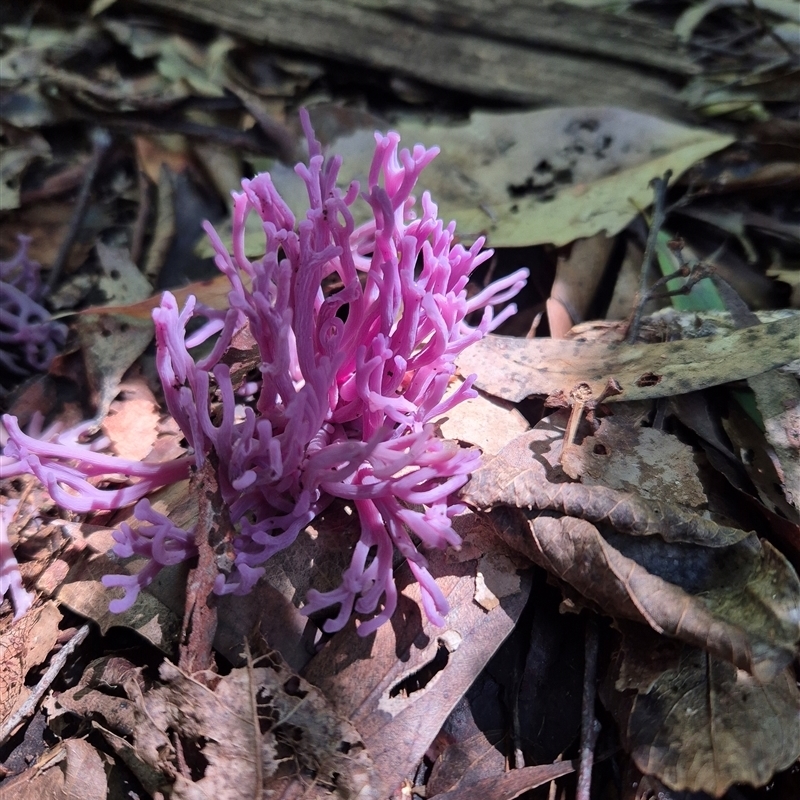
<point>532,177</point>
<point>513,368</point>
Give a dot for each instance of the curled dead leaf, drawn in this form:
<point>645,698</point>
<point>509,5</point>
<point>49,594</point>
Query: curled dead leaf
<point>715,587</point>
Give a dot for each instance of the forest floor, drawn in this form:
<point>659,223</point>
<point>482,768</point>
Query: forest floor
<point>623,612</point>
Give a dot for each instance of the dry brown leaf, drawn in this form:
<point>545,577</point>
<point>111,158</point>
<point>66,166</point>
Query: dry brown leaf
<point>745,622</point>
<point>698,723</point>
<point>467,760</point>
<point>514,368</point>
<point>633,458</point>
<point>509,785</point>
<point>213,293</point>
<point>24,645</point>
<point>47,224</point>
<point>487,422</point>
<point>111,343</point>
<point>121,281</point>
<point>759,461</point>
<point>72,770</point>
<point>577,277</point>
<point>238,727</point>
<point>132,423</point>
<point>399,685</point>
<point>715,587</point>
<point>525,474</point>
<point>96,695</point>
<point>153,152</point>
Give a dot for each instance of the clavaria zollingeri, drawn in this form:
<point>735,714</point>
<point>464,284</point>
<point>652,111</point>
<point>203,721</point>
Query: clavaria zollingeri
<point>29,339</point>
<point>10,466</point>
<point>343,407</point>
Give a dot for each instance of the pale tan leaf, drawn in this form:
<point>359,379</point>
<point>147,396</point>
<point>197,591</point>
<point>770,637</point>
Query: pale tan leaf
<point>514,368</point>
<point>239,726</point>
<point>532,177</point>
<point>25,645</point>
<point>72,770</point>
<point>399,685</point>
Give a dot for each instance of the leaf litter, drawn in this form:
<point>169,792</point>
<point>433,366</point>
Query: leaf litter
<point>622,495</point>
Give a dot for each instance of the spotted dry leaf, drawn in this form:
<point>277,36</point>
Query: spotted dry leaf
<point>259,730</point>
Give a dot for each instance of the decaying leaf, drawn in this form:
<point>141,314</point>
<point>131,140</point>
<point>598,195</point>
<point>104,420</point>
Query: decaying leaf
<point>508,785</point>
<point>640,459</point>
<point>111,343</point>
<point>524,178</point>
<point>466,761</point>
<point>257,730</point>
<point>156,613</point>
<point>399,685</point>
<point>778,400</point>
<point>19,150</point>
<point>514,368</point>
<point>96,695</point>
<point>715,587</point>
<point>24,646</point>
<point>525,474</point>
<point>698,723</point>
<point>72,769</point>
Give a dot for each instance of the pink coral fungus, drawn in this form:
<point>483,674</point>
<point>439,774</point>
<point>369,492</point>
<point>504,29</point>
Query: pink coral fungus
<point>349,385</point>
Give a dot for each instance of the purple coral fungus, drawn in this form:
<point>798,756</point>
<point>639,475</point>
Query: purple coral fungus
<point>29,339</point>
<point>349,385</point>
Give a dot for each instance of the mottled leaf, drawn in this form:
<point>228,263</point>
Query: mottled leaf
<point>698,723</point>
<point>514,368</point>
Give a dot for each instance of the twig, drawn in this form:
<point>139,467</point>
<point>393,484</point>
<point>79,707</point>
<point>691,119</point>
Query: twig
<point>590,727</point>
<point>200,615</point>
<point>29,706</point>
<point>769,31</point>
<point>101,141</point>
<point>142,217</point>
<point>258,760</point>
<point>275,131</point>
<point>660,186</point>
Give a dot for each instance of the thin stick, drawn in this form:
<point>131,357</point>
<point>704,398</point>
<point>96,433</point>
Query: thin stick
<point>101,141</point>
<point>29,706</point>
<point>258,761</point>
<point>590,727</point>
<point>660,186</point>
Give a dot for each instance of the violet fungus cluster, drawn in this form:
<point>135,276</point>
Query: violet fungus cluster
<point>349,385</point>
<point>29,339</point>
